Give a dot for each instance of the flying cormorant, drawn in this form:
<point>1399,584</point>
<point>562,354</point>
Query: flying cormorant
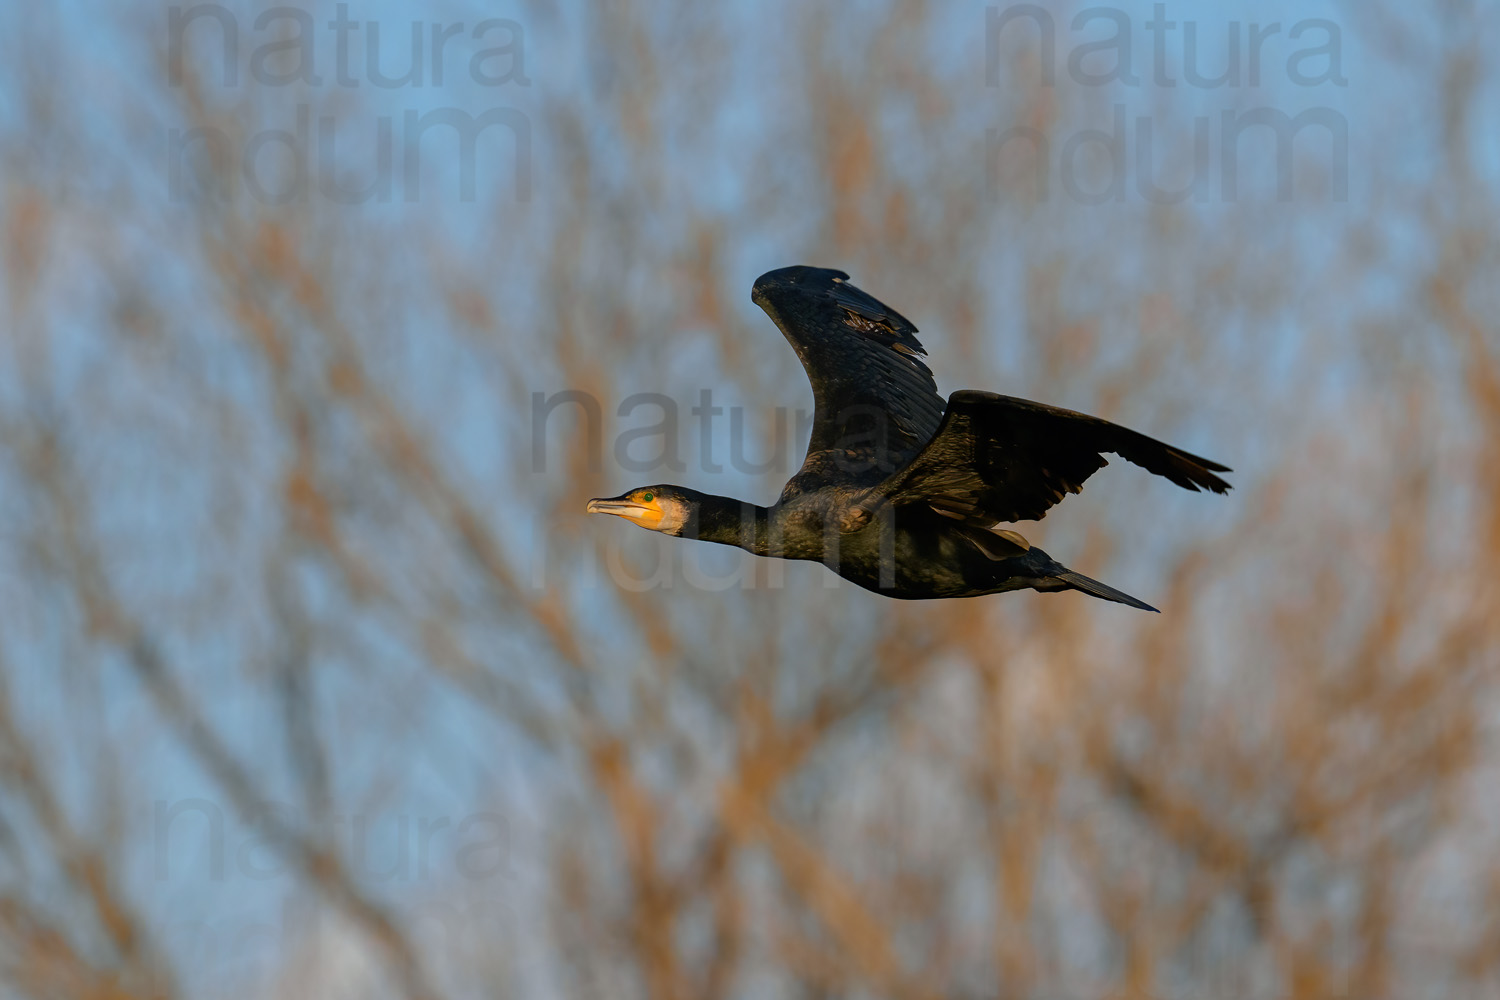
<point>900,493</point>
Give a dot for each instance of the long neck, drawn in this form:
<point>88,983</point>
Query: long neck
<point>732,522</point>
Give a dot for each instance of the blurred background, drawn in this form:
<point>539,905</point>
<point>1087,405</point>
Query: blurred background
<point>321,324</point>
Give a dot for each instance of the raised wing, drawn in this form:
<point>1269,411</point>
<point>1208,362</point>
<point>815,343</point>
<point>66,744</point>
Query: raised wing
<point>998,458</point>
<point>875,403</point>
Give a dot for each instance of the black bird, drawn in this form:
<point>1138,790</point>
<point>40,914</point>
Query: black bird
<point>900,493</point>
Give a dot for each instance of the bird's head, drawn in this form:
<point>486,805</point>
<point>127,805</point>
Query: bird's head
<point>660,508</point>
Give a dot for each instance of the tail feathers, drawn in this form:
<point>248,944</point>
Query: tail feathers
<point>1077,581</point>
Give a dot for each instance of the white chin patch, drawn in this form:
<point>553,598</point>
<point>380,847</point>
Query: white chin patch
<point>673,517</point>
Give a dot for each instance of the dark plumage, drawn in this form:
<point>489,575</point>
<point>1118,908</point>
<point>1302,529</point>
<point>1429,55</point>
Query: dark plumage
<point>900,492</point>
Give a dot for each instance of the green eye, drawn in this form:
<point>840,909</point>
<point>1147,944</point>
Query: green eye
<point>648,497</point>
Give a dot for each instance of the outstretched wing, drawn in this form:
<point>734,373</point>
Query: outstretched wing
<point>998,458</point>
<point>875,403</point>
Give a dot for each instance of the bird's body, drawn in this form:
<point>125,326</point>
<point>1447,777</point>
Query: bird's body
<point>909,554</point>
<point>901,492</point>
